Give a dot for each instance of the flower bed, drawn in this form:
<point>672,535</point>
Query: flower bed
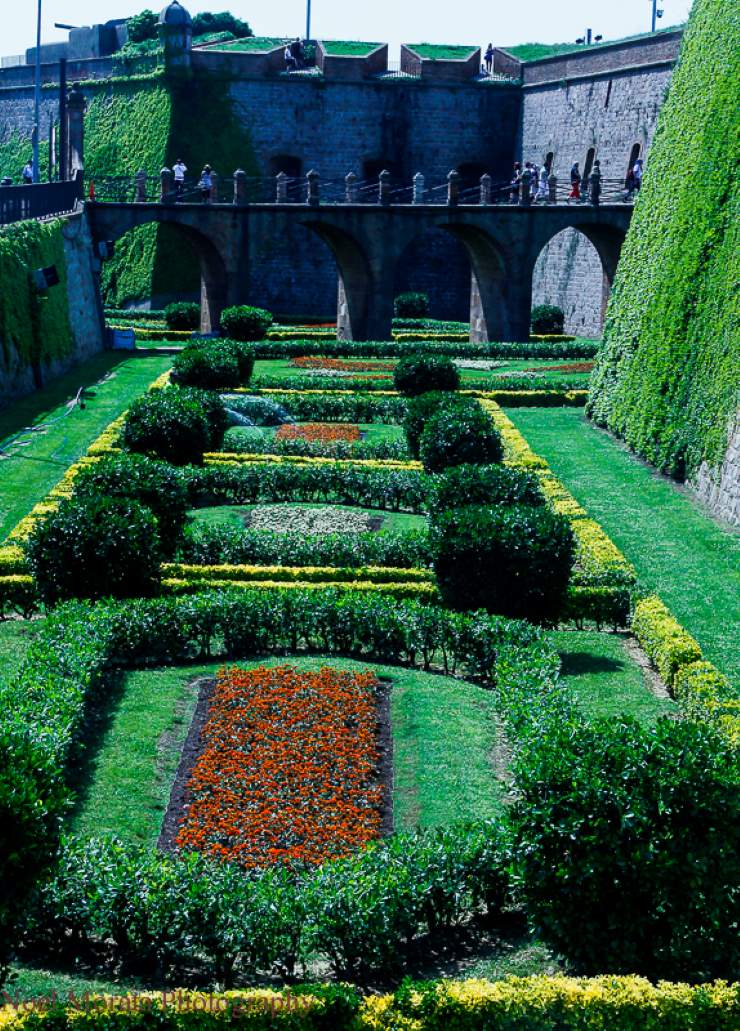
<point>313,520</point>
<point>321,431</point>
<point>341,365</point>
<point>288,770</point>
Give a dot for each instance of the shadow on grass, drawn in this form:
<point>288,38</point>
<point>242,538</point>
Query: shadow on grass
<point>578,664</point>
<point>99,718</point>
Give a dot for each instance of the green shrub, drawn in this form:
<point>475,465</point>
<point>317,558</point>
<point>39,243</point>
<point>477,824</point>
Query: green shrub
<point>95,547</point>
<point>411,306</point>
<point>547,319</point>
<point>419,410</point>
<point>420,374</point>
<point>176,424</point>
<point>459,435</point>
<point>158,485</point>
<point>182,315</point>
<point>627,850</point>
<point>464,485</point>
<point>243,322</point>
<point>219,365</point>
<point>514,560</point>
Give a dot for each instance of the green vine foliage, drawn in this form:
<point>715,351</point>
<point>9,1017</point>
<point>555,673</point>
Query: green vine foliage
<point>667,378</point>
<point>35,328</point>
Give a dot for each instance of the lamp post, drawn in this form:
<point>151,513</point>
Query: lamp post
<point>37,98</point>
<point>657,13</point>
<point>308,20</point>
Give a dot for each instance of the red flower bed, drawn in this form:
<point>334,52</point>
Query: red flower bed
<point>288,769</point>
<point>342,364</point>
<point>325,432</point>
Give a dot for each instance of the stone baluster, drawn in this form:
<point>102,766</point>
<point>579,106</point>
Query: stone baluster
<point>384,188</point>
<point>240,187</point>
<point>213,199</point>
<point>312,194</point>
<point>485,189</point>
<point>552,188</point>
<point>594,183</point>
<point>350,188</point>
<point>525,192</point>
<point>140,184</point>
<point>281,187</point>
<point>165,182</point>
<point>453,188</point>
<point>419,188</point>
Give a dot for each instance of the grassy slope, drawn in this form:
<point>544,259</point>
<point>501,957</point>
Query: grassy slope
<point>33,470</point>
<point>444,737</point>
<point>603,677</point>
<point>677,549</point>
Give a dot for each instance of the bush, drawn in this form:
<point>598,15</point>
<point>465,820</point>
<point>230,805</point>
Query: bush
<point>178,425</point>
<point>155,484</point>
<point>411,306</point>
<point>419,410</point>
<point>420,373</point>
<point>547,319</point>
<point>95,547</point>
<point>245,323</point>
<point>627,849</point>
<point>512,560</point>
<point>483,485</point>
<point>142,26</point>
<point>459,435</point>
<point>182,315</point>
<point>220,365</point>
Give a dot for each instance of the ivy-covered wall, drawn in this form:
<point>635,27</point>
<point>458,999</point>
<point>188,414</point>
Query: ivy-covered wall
<point>668,378</point>
<point>35,330</point>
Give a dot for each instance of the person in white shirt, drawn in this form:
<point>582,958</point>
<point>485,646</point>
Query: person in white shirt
<point>637,171</point>
<point>178,170</point>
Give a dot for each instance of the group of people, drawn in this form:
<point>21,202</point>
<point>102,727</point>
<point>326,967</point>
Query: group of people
<point>205,183</point>
<point>538,181</point>
<point>295,56</point>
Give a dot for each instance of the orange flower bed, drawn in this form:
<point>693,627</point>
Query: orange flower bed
<point>325,432</point>
<point>288,769</point>
<point>342,364</point>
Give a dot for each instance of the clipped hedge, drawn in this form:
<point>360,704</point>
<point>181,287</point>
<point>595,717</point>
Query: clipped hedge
<point>668,646</point>
<point>458,348</point>
<point>420,373</point>
<point>667,377</point>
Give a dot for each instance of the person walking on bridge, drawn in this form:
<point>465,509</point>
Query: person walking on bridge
<point>575,182</point>
<point>27,174</point>
<point>178,171</point>
<point>206,184</point>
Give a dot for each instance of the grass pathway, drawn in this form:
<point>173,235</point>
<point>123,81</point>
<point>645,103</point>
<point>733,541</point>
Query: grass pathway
<point>680,552</point>
<point>112,381</point>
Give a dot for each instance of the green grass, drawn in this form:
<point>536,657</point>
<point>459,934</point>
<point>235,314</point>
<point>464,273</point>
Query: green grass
<point>348,48</point>
<point>538,51</point>
<point>112,382</point>
<point>444,739</point>
<point>16,637</point>
<point>232,515</point>
<point>136,751</point>
<point>678,550</point>
<point>29,983</point>
<point>374,432</point>
<point>442,51</point>
<point>252,44</point>
<point>604,678</point>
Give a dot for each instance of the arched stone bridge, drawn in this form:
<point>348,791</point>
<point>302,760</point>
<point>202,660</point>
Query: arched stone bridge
<point>367,241</point>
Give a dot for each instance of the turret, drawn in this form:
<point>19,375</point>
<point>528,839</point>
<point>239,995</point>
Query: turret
<point>176,36</point>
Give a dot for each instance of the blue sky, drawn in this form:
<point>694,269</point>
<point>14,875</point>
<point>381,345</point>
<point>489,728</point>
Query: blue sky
<point>394,21</point>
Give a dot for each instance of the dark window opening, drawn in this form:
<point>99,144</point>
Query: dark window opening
<point>634,155</point>
<point>548,161</point>
<point>608,94</point>
<point>588,167</point>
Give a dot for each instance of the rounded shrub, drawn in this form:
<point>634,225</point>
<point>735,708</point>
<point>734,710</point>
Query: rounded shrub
<point>511,560</point>
<point>483,485</point>
<point>628,843</point>
<point>182,315</point>
<point>411,306</point>
<point>96,547</point>
<point>547,319</point>
<point>176,424</point>
<point>420,410</point>
<point>243,322</point>
<point>158,485</point>
<point>421,373</point>
<point>220,365</point>
<point>459,435</point>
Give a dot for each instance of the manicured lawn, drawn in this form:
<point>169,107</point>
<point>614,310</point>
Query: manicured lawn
<point>604,678</point>
<point>375,431</point>
<point>678,550</point>
<point>348,48</point>
<point>232,515</point>
<point>16,637</point>
<point>442,51</point>
<point>136,751</point>
<point>443,730</point>
<point>33,468</point>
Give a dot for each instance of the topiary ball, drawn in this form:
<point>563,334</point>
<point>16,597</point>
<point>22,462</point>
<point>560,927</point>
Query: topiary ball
<point>176,424</point>
<point>459,435</point>
<point>421,373</point>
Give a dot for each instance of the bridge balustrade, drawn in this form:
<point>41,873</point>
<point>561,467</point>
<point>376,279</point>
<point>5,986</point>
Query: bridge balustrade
<point>39,200</point>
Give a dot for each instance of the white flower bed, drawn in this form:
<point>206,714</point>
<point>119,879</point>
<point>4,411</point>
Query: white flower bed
<point>320,520</point>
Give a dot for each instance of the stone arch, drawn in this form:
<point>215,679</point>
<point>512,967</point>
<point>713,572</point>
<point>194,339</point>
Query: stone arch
<point>437,264</point>
<point>575,270</point>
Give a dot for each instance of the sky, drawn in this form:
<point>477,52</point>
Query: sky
<point>393,21</point>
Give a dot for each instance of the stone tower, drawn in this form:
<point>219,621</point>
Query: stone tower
<point>176,36</point>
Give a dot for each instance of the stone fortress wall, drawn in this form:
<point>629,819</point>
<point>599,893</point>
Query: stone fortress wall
<point>606,97</point>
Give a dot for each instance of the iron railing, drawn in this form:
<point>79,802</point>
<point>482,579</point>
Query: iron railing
<point>40,200</point>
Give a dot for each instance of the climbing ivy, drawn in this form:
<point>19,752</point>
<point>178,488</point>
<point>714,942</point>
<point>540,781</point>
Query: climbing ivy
<point>34,328</point>
<point>15,150</point>
<point>667,377</point>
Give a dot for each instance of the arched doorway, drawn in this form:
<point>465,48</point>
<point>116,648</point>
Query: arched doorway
<point>436,264</point>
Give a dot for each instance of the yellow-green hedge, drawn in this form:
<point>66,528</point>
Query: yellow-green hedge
<point>242,458</point>
<point>424,592</point>
<point>516,1004</point>
<point>668,646</point>
<point>294,574</point>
